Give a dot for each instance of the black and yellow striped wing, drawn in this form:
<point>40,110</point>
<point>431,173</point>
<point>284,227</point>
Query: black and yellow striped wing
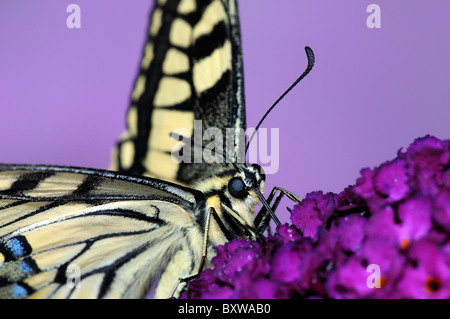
<point>191,69</point>
<point>80,233</point>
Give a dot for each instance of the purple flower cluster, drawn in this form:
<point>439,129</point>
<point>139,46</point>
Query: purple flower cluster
<point>387,236</point>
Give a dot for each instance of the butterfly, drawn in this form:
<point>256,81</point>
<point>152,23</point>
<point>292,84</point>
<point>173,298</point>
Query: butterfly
<point>151,222</point>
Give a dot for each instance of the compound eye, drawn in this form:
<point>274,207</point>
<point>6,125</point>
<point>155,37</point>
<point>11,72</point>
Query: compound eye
<point>236,187</point>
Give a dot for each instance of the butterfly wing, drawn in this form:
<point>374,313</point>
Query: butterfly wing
<point>79,233</point>
<point>191,69</point>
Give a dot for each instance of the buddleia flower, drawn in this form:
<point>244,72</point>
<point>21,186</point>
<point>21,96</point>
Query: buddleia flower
<point>395,219</point>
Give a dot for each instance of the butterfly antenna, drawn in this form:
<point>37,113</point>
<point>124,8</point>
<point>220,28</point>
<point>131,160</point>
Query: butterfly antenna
<point>311,60</point>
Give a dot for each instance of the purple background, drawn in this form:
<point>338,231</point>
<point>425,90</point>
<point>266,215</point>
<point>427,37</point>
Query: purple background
<point>64,92</point>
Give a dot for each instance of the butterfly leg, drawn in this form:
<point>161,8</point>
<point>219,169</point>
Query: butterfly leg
<point>262,220</point>
<point>204,251</point>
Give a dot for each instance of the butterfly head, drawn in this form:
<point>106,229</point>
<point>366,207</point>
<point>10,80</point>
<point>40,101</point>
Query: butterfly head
<point>248,186</point>
<point>234,194</point>
<point>245,189</point>
<point>246,180</point>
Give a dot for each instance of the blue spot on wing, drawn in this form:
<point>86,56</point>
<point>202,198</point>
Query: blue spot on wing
<point>15,246</point>
<point>26,267</point>
<point>19,291</point>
